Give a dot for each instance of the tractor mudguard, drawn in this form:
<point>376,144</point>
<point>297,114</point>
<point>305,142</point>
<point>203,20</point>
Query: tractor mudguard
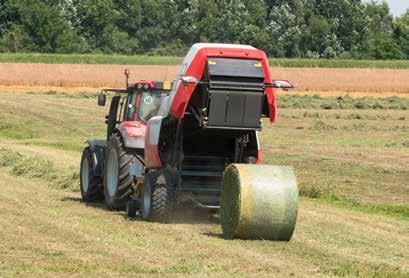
<point>132,139</point>
<point>152,158</point>
<point>98,155</point>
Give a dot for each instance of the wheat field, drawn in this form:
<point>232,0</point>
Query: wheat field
<point>89,78</point>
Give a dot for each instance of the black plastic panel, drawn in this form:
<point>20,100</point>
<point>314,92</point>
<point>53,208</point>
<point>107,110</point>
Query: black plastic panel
<point>252,111</point>
<point>235,109</point>
<point>235,68</point>
<point>217,113</point>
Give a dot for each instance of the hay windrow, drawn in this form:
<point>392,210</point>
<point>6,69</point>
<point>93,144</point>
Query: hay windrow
<point>35,167</point>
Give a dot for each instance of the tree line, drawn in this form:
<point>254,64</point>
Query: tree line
<point>283,28</point>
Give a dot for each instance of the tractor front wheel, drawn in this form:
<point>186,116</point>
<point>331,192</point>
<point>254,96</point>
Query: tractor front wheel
<point>117,181</point>
<point>158,199</point>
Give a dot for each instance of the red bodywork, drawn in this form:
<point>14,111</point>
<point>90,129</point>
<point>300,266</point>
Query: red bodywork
<point>134,128</point>
<point>198,65</point>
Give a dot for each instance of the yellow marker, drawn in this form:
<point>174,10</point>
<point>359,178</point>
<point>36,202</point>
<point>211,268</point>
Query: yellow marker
<point>211,62</point>
<point>258,65</point>
<point>166,85</point>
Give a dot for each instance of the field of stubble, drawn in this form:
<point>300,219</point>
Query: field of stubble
<point>351,157</point>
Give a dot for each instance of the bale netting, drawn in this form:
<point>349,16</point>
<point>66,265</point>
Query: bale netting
<point>258,202</point>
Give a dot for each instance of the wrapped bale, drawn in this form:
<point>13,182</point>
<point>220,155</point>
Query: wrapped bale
<point>259,202</point>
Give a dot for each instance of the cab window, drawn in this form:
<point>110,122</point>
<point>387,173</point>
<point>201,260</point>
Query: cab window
<point>150,103</point>
<point>130,108</point>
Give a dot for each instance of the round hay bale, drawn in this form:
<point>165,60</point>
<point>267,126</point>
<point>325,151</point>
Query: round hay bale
<point>258,202</point>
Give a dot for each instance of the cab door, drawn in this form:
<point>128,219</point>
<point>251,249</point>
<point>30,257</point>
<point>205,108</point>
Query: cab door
<point>130,107</point>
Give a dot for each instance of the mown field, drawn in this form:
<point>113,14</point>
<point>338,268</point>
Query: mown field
<point>167,60</point>
<point>351,157</point>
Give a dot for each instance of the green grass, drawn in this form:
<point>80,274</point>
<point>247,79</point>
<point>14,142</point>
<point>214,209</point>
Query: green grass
<point>88,59</point>
<point>168,60</point>
<point>339,63</point>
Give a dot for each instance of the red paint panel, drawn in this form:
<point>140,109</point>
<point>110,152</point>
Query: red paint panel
<point>258,161</point>
<point>152,158</point>
<point>134,128</point>
<point>196,69</point>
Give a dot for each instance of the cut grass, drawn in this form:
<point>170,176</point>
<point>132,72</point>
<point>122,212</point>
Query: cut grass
<point>399,211</point>
<point>35,167</point>
<point>342,102</point>
<point>353,218</point>
<point>64,237</point>
<point>167,60</point>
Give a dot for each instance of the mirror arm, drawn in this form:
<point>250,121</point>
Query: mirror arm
<point>276,86</point>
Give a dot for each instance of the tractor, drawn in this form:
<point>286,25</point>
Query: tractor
<point>167,142</point>
<point>105,163</point>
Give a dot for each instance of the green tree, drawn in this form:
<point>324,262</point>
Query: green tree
<point>38,26</point>
<point>97,22</point>
<point>285,25</point>
<point>401,33</point>
<point>348,24</point>
<point>380,43</point>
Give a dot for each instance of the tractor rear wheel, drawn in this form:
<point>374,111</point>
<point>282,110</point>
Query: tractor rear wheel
<point>117,181</point>
<point>158,199</point>
<point>89,183</point>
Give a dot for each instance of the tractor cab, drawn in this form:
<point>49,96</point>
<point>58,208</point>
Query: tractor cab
<point>132,107</point>
<point>144,99</point>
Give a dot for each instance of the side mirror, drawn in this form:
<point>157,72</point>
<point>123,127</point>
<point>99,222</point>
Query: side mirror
<point>189,80</point>
<point>102,99</point>
<point>282,84</point>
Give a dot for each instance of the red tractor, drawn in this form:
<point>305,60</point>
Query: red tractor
<point>166,141</point>
<point>105,164</point>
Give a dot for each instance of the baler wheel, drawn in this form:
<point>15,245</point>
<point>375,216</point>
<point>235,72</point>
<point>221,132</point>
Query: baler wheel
<point>89,183</point>
<point>158,199</point>
<point>258,202</point>
<point>117,180</point>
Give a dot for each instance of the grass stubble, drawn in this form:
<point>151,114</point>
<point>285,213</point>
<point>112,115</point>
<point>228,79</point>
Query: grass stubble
<point>351,164</point>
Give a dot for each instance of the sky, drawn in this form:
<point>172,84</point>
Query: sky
<point>398,7</point>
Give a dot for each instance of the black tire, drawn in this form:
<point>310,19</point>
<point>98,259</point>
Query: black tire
<point>158,199</point>
<point>90,184</point>
<point>118,189</point>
